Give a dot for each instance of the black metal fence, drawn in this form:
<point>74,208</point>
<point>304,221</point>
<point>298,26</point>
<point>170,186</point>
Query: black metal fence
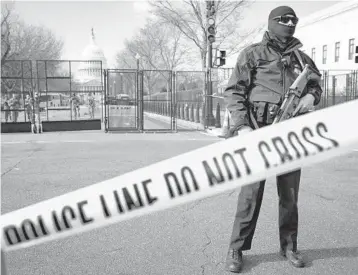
<point>190,92</point>
<point>158,99</point>
<point>67,90</point>
<point>75,90</point>
<point>121,100</point>
<point>338,86</point>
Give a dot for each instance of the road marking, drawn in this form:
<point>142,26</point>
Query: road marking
<point>85,140</point>
<point>46,141</point>
<point>93,141</point>
<point>12,142</point>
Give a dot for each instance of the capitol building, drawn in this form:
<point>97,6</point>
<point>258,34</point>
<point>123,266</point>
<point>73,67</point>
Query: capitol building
<point>88,76</point>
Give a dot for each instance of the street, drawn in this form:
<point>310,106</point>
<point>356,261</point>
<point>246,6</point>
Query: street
<point>186,240</point>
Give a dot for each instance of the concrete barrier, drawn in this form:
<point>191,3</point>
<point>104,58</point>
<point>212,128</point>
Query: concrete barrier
<point>75,125</point>
<point>15,127</point>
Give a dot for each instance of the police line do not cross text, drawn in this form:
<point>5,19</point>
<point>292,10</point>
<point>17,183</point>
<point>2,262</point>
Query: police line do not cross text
<point>201,173</point>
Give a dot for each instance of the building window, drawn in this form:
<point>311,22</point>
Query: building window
<point>351,49</point>
<point>313,54</point>
<point>336,51</point>
<point>324,55</point>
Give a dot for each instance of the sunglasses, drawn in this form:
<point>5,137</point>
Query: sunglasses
<point>285,19</point>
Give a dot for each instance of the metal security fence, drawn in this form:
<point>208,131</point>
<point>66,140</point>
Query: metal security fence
<point>190,91</point>
<point>188,96</point>
<point>156,88</point>
<point>67,90</point>
<point>17,84</point>
<point>122,108</point>
<point>338,87</point>
<point>139,100</point>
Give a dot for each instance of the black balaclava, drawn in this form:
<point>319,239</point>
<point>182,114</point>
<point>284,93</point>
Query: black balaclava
<point>282,32</point>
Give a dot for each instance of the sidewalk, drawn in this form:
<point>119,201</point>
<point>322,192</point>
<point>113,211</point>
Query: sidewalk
<point>212,130</point>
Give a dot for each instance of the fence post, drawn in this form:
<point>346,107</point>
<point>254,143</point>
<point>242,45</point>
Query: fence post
<point>217,119</point>
<point>192,119</point>
<point>182,111</point>
<point>203,112</point>
<point>334,90</point>
<point>197,115</point>
<point>326,89</point>
<point>186,111</point>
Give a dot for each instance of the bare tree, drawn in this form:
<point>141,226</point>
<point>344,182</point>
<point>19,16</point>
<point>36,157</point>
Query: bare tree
<point>34,42</point>
<point>125,59</point>
<point>159,47</point>
<point>169,51</point>
<point>5,31</point>
<point>189,16</point>
<point>24,42</point>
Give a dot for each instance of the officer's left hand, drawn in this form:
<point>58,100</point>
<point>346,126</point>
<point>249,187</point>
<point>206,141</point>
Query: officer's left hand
<point>305,104</point>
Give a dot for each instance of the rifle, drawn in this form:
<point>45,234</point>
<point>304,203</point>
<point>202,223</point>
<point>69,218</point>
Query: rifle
<point>293,95</point>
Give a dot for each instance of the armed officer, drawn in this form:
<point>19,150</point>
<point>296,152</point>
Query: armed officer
<point>263,73</point>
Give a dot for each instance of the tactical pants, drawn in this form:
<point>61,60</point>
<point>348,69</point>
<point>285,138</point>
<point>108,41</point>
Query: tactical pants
<point>248,208</point>
<point>15,115</point>
<point>28,112</point>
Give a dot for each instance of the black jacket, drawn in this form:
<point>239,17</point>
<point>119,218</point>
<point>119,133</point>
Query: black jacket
<point>260,76</point>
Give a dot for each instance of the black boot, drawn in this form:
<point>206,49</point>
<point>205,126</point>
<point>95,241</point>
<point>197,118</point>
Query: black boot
<point>234,261</point>
<point>293,257</point>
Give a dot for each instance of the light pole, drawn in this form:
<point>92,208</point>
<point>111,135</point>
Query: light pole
<point>114,89</point>
<point>121,84</point>
<point>210,119</point>
<point>139,95</point>
<point>137,56</point>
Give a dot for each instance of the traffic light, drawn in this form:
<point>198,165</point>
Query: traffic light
<point>222,58</point>
<point>356,58</point>
<point>210,16</point>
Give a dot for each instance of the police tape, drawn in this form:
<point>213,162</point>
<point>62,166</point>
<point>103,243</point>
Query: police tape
<point>201,173</point>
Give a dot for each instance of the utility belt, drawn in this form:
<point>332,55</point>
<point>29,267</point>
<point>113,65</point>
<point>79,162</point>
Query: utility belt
<point>263,112</point>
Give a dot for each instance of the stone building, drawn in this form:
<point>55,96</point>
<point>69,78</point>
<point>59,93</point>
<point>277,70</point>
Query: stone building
<point>88,76</point>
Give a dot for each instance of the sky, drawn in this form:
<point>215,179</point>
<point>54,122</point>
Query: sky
<point>116,21</point>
